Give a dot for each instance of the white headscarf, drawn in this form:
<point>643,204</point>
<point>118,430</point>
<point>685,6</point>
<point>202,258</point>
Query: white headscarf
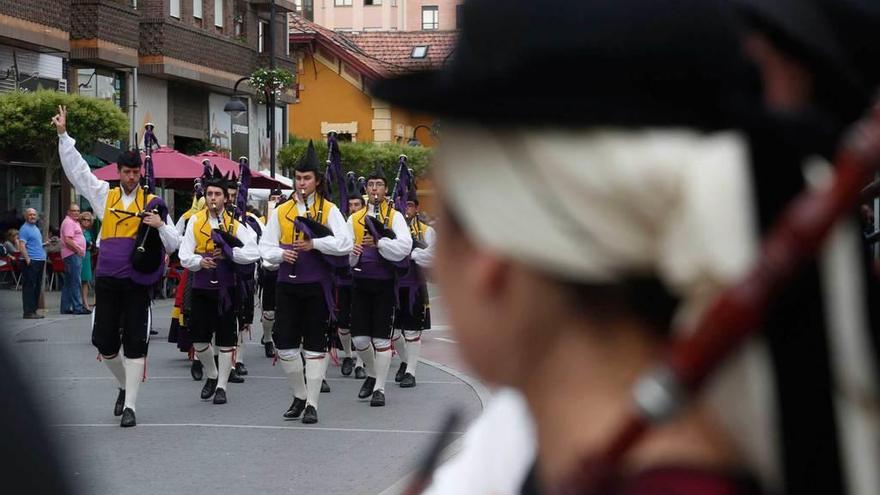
<point>601,205</point>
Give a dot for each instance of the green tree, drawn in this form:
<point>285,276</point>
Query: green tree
<point>27,129</point>
<point>360,157</point>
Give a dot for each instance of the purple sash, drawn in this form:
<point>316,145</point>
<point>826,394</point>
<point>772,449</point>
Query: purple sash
<point>114,260</point>
<point>413,279</point>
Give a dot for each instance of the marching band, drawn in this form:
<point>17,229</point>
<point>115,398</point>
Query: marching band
<point>326,276</point>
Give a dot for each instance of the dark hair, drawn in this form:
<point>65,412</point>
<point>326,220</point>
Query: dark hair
<point>218,186</point>
<point>129,159</point>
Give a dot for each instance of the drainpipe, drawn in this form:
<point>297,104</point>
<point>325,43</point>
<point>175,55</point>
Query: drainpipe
<point>132,133</point>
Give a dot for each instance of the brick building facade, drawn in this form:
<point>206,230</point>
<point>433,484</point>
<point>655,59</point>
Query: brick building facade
<point>170,62</point>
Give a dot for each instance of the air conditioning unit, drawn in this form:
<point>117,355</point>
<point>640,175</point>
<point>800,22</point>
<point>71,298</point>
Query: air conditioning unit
<point>62,85</point>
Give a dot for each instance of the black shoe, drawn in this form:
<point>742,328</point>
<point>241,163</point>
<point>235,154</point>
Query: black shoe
<point>367,388</point>
<point>295,409</point>
<point>408,381</point>
<point>269,349</point>
<point>235,377</point>
<point>310,417</point>
<point>197,370</point>
<point>87,312</point>
<point>347,366</point>
<point>220,396</point>
<point>209,388</point>
<point>240,369</point>
<point>128,418</point>
<point>120,403</point>
<point>400,372</point>
<point>378,399</point>
<point>325,388</point>
<point>152,332</point>
<point>360,373</point>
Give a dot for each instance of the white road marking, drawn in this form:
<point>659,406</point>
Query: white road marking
<point>450,341</point>
<point>189,378</point>
<point>248,427</point>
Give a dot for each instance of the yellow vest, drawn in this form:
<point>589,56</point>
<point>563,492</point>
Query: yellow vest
<point>386,215</point>
<point>417,228</point>
<point>319,211</point>
<point>115,224</point>
<point>202,230</point>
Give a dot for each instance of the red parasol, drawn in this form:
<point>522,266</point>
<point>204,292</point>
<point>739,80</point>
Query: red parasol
<point>172,169</point>
<point>258,179</point>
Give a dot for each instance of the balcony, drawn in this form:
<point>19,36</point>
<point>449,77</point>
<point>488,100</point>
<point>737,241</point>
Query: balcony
<point>281,6</point>
<point>39,26</point>
<point>174,50</point>
<point>104,32</point>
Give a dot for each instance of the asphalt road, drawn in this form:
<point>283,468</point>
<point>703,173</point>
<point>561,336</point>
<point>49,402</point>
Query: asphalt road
<point>185,445</point>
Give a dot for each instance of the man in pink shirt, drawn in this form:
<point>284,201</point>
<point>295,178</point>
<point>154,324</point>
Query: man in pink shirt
<point>73,247</point>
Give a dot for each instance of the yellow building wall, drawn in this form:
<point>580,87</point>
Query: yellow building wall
<point>411,120</point>
<point>326,96</point>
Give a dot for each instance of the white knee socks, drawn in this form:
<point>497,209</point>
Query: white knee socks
<point>134,373</point>
<point>399,345</point>
<point>314,377</point>
<point>225,361</point>
<point>413,347</point>
<point>383,362</point>
<point>345,338</point>
<point>292,365</point>
<point>206,356</point>
<point>116,367</point>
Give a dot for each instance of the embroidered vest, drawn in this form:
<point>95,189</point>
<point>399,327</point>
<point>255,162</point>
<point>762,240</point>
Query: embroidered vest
<point>310,267</point>
<point>372,265</point>
<point>118,233</point>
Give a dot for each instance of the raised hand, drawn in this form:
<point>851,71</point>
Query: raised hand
<point>60,120</point>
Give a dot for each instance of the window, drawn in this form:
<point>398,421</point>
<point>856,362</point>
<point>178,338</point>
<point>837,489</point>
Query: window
<point>372,2</point>
<point>218,13</point>
<point>342,3</point>
<point>420,51</point>
<point>458,10</point>
<point>430,17</point>
<point>175,9</point>
<point>262,32</point>
<point>197,9</point>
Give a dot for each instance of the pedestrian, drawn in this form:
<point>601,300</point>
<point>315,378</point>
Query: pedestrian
<point>11,242</point>
<point>304,288</point>
<point>122,292</point>
<point>34,253</point>
<point>214,246</point>
<point>373,299</point>
<point>85,221</point>
<point>73,250</point>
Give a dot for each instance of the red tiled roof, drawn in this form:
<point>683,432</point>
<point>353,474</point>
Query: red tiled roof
<point>379,53</point>
<point>394,48</point>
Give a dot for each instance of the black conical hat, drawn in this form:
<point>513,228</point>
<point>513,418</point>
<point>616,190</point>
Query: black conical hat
<point>217,179</point>
<point>378,172</point>
<point>309,161</point>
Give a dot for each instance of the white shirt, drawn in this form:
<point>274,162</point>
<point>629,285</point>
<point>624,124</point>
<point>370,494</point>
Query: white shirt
<point>498,450</point>
<point>339,244</point>
<point>249,253</point>
<point>425,257</point>
<point>390,249</point>
<point>95,190</point>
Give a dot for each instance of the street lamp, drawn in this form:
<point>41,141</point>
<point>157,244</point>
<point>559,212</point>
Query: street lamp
<point>235,108</point>
<point>413,141</point>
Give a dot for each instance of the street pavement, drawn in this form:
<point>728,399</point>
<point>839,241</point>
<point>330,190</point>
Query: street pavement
<point>185,445</point>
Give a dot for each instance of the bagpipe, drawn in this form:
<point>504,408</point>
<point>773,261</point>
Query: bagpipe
<point>736,313</point>
<point>149,253</point>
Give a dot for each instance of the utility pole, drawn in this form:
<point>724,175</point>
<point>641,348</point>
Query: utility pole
<point>270,100</point>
